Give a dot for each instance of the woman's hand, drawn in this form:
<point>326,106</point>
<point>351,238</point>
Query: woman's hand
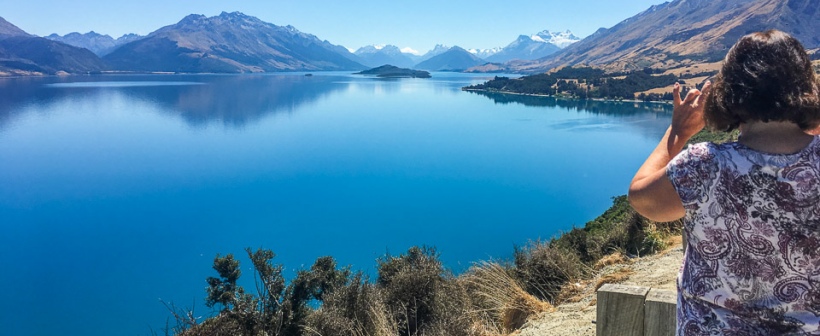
<point>687,115</point>
<point>651,192</point>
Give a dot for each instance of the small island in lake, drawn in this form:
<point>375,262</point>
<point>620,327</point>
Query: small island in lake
<point>391,71</point>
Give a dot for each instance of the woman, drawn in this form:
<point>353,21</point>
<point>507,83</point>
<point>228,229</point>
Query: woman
<point>751,208</point>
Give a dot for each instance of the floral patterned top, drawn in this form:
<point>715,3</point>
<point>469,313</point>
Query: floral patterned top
<point>752,263</point>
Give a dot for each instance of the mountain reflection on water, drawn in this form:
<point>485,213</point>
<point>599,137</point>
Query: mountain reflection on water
<point>650,119</point>
<point>237,101</point>
<point>592,106</point>
<point>234,101</point>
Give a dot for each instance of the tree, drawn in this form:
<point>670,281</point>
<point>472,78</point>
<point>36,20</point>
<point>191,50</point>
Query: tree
<point>270,285</point>
<point>223,290</point>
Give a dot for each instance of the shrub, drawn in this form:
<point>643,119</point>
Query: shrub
<point>543,269</point>
<point>410,283</point>
<point>422,298</point>
<point>354,309</point>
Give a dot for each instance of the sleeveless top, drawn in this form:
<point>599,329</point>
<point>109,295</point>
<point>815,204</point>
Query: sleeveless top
<point>752,263</point>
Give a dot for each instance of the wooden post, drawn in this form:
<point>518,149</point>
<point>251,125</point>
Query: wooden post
<point>620,310</point>
<point>660,315</point>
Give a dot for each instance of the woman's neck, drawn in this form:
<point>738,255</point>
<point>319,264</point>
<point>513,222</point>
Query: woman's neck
<point>775,137</point>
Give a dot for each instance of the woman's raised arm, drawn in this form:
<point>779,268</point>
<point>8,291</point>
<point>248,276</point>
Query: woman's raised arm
<point>651,192</point>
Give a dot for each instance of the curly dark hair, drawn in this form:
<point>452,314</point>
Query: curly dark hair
<point>766,76</point>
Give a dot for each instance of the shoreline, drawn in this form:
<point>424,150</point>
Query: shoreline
<point>664,102</point>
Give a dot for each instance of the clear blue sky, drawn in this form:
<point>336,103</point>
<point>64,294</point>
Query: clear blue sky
<point>418,24</point>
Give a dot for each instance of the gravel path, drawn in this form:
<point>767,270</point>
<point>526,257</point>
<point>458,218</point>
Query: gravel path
<point>575,318</point>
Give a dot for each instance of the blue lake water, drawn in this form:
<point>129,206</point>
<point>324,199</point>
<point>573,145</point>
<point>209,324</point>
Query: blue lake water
<point>116,191</point>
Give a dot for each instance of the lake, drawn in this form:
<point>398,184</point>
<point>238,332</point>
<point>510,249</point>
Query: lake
<point>118,191</point>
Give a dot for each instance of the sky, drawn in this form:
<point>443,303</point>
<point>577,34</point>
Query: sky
<point>419,24</point>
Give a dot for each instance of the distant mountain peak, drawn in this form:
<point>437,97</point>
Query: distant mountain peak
<point>380,54</point>
<point>236,15</point>
<point>560,39</point>
<point>99,44</point>
<point>534,46</point>
<point>232,14</point>
<point>130,36</point>
<point>484,53</point>
<point>437,50</point>
<point>375,48</point>
<point>193,18</point>
<point>454,59</point>
<point>390,48</point>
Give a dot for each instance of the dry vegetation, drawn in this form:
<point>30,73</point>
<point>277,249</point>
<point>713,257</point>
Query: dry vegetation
<point>695,68</point>
<point>575,314</point>
<point>415,295</point>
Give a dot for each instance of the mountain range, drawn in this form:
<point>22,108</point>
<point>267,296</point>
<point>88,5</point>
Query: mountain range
<point>685,32</point>
<point>235,43</point>
<point>25,54</point>
<point>670,35</point>
<point>230,42</point>
<point>444,58</point>
<point>100,45</point>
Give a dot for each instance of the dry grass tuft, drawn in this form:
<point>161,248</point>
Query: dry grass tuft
<point>673,241</point>
<point>611,259</point>
<point>517,312</point>
<point>383,325</point>
<point>543,267</point>
<point>502,297</point>
<point>618,276</point>
<point>572,292</point>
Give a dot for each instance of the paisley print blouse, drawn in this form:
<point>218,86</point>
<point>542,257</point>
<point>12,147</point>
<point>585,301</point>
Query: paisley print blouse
<point>752,264</point>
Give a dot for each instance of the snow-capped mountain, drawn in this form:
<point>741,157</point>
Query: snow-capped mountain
<point>560,39</point>
<point>531,47</point>
<point>484,53</point>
